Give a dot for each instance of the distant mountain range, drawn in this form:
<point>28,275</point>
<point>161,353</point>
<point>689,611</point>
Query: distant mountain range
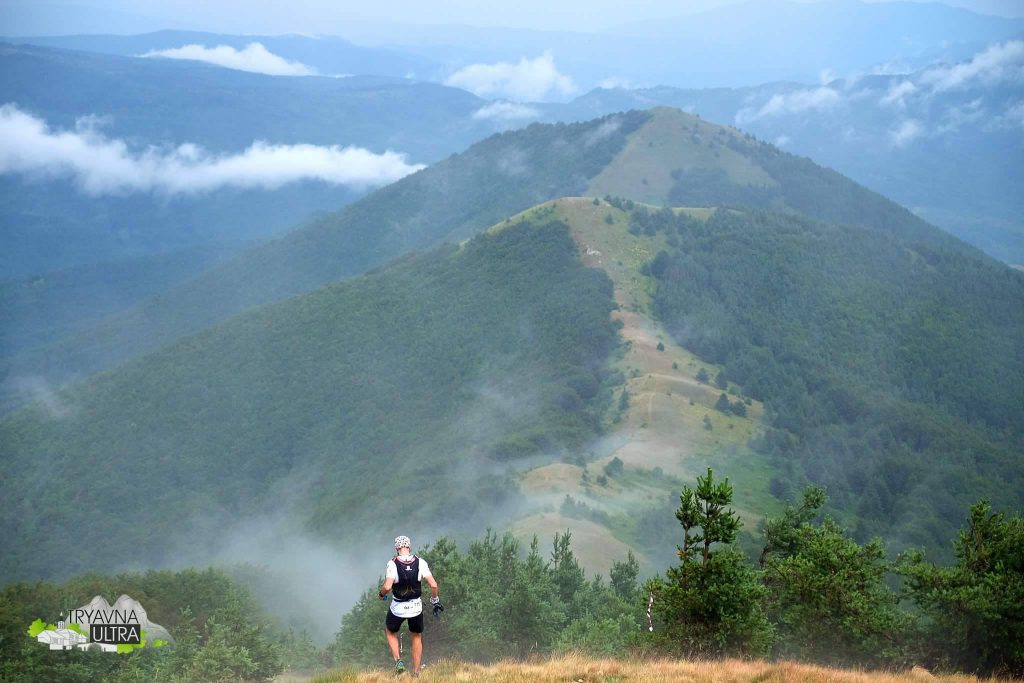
<point>51,223</point>
<point>326,55</point>
<point>42,309</point>
<point>947,150</point>
<point>740,44</point>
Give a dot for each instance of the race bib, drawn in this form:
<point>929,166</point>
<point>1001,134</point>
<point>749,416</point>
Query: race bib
<point>407,608</point>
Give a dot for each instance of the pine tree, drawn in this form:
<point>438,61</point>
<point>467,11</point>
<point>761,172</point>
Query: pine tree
<point>614,467</point>
<point>827,593</point>
<point>623,577</point>
<point>975,607</point>
<point>710,604</point>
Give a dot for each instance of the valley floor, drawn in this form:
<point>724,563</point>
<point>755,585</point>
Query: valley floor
<point>579,669</point>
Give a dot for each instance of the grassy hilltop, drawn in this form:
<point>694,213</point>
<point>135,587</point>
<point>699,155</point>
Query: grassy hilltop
<point>577,668</point>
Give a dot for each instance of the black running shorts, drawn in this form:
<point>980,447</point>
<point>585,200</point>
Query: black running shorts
<point>393,623</point>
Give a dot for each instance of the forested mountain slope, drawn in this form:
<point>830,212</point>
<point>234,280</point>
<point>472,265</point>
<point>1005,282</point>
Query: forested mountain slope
<point>422,376</point>
<point>891,369</point>
<point>781,351</point>
<point>43,308</point>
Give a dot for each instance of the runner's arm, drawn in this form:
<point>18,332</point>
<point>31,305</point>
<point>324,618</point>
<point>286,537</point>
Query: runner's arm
<point>389,580</point>
<point>432,582</point>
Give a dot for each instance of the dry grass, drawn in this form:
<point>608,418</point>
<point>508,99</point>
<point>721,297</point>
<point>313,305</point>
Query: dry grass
<point>673,140</point>
<point>594,545</point>
<point>579,669</point>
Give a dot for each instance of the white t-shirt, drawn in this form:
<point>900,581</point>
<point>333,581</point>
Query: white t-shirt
<point>406,608</point>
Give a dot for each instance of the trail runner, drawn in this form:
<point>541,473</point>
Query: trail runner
<point>403,577</point>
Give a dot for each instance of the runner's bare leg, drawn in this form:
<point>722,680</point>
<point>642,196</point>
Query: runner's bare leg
<point>417,650</point>
<point>392,642</point>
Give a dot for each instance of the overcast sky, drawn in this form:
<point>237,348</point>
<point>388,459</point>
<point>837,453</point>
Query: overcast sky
<point>21,17</point>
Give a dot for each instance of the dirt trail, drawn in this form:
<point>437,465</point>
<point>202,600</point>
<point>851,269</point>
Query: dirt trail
<point>663,428</point>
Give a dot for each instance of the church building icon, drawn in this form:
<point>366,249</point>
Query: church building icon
<point>64,638</point>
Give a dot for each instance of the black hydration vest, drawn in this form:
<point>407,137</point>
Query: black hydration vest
<point>408,586</point>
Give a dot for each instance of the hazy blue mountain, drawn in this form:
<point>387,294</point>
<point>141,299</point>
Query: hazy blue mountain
<point>736,45</point>
<point>162,101</point>
<point>48,224</point>
<point>766,40</point>
<point>328,55</point>
<point>43,308</point>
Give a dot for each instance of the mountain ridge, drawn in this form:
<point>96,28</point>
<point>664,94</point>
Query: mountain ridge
<point>454,198</point>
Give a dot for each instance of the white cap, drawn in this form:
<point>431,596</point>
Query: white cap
<point>403,542</point>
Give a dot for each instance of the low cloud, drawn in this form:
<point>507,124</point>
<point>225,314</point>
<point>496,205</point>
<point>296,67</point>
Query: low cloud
<point>615,83</point>
<point>906,132</point>
<point>999,64</point>
<point>513,161</point>
<point>606,129</point>
<point>957,117</point>
<point>35,389</point>
<point>890,69</point>
<point>1003,62</point>
<point>898,93</point>
<point>527,79</point>
<point>253,57</point>
<point>1012,118</point>
<point>299,576</point>
<point>102,165</point>
<point>794,102</point>
<point>504,111</point>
